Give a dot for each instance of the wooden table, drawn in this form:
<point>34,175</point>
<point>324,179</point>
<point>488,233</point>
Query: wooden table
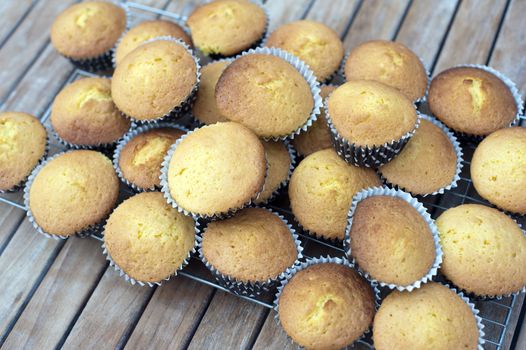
<point>63,294</point>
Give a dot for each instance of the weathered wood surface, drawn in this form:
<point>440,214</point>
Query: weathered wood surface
<point>63,294</point>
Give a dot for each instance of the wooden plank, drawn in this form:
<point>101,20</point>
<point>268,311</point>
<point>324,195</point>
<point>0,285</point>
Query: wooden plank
<point>284,11</point>
<point>337,15</point>
<point>425,26</point>
<point>376,19</point>
<point>63,291</point>
<point>171,315</point>
<point>229,323</point>
<point>272,336</point>
<point>10,218</point>
<point>509,55</point>
<point>12,13</point>
<point>109,316</point>
<point>472,33</point>
<point>27,256</point>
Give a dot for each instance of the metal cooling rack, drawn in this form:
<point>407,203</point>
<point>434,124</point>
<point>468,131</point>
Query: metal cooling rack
<point>495,313</point>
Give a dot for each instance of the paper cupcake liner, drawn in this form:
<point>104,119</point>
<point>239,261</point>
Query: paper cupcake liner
<point>256,44</point>
<point>186,105</point>
<point>314,261</point>
<point>85,232</point>
<point>514,91</point>
<point>475,312</point>
<point>165,189</point>
<point>252,288</point>
<point>129,136</point>
<point>307,74</point>
<point>370,157</point>
<point>134,281</point>
<point>419,207</point>
<point>418,101</point>
<point>292,155</point>
<point>102,62</point>
<point>459,165</point>
<point>19,186</point>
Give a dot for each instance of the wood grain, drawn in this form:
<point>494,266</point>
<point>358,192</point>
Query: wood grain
<point>27,256</point>
<point>171,316</point>
<point>283,11</point>
<point>272,336</point>
<point>12,13</point>
<point>10,218</point>
<point>62,292</point>
<point>229,323</point>
<point>337,15</point>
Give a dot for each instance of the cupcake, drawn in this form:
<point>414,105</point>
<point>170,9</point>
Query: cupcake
<point>147,239</point>
<point>498,169</point>
<point>205,107</point>
<point>156,80</point>
<point>484,250</point>
<point>227,27</point>
<point>280,162</point>
<point>321,190</point>
<point>390,63</point>
<point>392,238</point>
<point>252,248</point>
<point>140,155</point>
<point>19,154</point>
<point>431,317</point>
<point>313,42</point>
<point>326,306</point>
<point>472,100</point>
<point>370,122</point>
<point>145,31</point>
<point>429,163</point>
<point>83,114</point>
<point>214,170</point>
<point>317,137</point>
<point>87,32</point>
<point>71,193</point>
<point>267,93</point>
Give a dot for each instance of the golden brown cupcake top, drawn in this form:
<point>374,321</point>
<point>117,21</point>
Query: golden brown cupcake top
<point>368,113</point>
<point>217,168</point>
<point>73,191</point>
<point>237,25</point>
<point>313,42</point>
<point>153,79</point>
<point>391,241</point>
<point>88,29</point>
<point>279,163</point>
<point>321,190</point>
<point>432,316</point>
<point>471,100</point>
<point>317,137</point>
<point>141,158</point>
<point>147,238</point>
<point>145,31</point>
<point>253,245</point>
<point>426,164</point>
<point>19,154</point>
<point>205,108</point>
<point>83,113</point>
<point>326,306</point>
<point>498,169</point>
<point>484,251</point>
<point>266,94</point>
<point>390,63</point>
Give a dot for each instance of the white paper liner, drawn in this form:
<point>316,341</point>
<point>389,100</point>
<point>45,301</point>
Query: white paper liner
<point>23,182</point>
<point>85,232</point>
<point>511,86</point>
<point>165,189</point>
<point>419,207</point>
<point>307,74</point>
<point>314,261</point>
<point>292,155</point>
<point>252,288</point>
<point>459,165</point>
<point>127,138</point>
<point>134,281</point>
<point>185,105</point>
<point>370,157</point>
